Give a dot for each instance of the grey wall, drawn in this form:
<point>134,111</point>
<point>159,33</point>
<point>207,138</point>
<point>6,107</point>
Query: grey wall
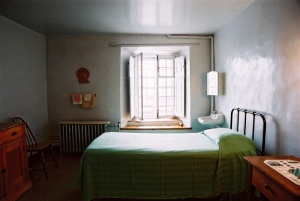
<point>65,54</point>
<point>23,84</point>
<point>260,54</point>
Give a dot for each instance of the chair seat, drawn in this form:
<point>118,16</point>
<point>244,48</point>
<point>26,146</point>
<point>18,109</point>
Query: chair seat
<point>38,146</point>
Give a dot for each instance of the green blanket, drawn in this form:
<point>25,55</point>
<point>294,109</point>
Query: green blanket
<point>163,165</point>
<point>232,171</point>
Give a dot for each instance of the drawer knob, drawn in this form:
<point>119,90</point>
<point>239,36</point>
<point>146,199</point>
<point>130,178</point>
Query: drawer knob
<point>14,133</point>
<point>3,171</point>
<point>267,187</point>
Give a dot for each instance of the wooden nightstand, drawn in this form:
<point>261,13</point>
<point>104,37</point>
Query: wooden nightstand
<point>271,183</point>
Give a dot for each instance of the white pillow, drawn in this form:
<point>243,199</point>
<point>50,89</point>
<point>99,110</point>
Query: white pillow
<point>216,134</point>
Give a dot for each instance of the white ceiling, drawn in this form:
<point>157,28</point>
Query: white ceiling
<point>53,17</point>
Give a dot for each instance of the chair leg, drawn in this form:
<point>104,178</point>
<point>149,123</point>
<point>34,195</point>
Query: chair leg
<point>30,161</point>
<point>43,158</point>
<point>53,156</point>
<point>44,164</point>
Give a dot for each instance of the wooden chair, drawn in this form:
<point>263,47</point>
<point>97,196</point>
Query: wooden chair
<point>37,150</point>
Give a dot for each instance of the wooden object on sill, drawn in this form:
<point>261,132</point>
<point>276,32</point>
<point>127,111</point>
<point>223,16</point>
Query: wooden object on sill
<point>271,183</point>
<point>14,179</point>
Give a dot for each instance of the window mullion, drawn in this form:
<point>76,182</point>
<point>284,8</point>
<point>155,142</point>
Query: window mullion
<point>157,89</point>
<point>138,86</point>
<point>142,96</point>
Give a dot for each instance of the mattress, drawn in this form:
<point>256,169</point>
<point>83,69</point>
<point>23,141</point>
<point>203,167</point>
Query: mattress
<point>164,165</point>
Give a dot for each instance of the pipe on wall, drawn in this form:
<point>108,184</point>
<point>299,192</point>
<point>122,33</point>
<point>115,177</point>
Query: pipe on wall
<point>212,55</point>
<point>112,44</point>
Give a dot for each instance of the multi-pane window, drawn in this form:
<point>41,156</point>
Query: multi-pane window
<point>148,88</point>
<point>166,88</point>
<point>153,87</point>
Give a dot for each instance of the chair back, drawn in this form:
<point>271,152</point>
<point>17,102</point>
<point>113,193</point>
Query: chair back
<point>30,139</point>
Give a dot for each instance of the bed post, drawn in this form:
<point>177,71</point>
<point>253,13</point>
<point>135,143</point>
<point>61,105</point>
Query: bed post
<point>262,151</point>
<point>245,121</point>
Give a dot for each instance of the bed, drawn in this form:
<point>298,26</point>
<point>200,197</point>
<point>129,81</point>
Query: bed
<point>168,165</point>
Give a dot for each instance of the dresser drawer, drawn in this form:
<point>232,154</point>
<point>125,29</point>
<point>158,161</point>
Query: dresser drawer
<point>270,189</point>
<point>11,134</point>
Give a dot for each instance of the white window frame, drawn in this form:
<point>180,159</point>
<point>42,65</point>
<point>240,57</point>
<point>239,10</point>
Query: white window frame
<point>136,99</point>
<point>168,90</point>
<point>179,86</point>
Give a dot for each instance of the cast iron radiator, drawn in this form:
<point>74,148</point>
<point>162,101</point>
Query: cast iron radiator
<point>75,136</point>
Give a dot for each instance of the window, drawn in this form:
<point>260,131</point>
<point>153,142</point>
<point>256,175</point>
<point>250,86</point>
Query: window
<point>156,86</point>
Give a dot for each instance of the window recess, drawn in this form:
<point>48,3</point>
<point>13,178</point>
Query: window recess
<point>157,87</point>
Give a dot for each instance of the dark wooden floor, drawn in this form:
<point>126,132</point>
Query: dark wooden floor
<point>61,185</point>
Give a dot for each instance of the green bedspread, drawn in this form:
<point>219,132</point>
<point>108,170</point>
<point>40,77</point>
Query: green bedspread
<point>164,166</point>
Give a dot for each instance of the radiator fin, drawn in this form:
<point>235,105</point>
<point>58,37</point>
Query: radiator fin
<point>75,136</point>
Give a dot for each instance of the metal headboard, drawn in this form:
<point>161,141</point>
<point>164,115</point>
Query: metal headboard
<point>254,114</point>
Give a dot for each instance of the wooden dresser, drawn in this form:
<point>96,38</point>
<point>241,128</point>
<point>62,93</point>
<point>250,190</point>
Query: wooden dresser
<point>14,177</point>
<point>268,181</point>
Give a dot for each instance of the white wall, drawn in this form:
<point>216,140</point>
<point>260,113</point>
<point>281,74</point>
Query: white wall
<point>260,54</point>
<point>23,83</point>
<point>65,54</point>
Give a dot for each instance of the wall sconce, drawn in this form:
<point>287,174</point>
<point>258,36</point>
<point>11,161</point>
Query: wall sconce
<point>215,83</point>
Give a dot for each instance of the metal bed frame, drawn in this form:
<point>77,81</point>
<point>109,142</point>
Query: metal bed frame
<point>254,115</point>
